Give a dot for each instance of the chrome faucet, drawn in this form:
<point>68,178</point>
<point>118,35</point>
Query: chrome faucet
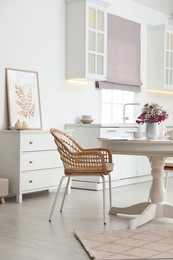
<point>124,110</point>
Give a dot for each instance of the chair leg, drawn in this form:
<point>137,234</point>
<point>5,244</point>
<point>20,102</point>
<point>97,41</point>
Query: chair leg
<point>56,196</point>
<point>110,190</point>
<point>65,193</point>
<point>104,195</point>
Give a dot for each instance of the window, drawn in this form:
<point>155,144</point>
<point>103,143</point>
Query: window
<point>113,109</point>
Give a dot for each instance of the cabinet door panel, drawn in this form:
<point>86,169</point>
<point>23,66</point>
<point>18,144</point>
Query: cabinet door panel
<point>128,166</point>
<point>160,49</point>
<point>86,38</point>
<point>116,173</point>
<point>143,166</point>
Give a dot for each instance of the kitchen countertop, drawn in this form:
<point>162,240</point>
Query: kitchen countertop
<point>104,125</point>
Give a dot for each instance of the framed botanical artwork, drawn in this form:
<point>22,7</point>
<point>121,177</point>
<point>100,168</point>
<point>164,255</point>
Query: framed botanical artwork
<point>23,98</point>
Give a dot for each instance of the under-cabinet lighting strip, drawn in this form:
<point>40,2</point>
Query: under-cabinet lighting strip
<point>160,91</point>
<point>76,81</point>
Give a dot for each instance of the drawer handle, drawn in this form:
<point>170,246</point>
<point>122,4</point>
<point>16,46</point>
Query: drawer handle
<point>111,131</point>
<point>30,142</point>
<point>30,181</point>
<point>30,162</point>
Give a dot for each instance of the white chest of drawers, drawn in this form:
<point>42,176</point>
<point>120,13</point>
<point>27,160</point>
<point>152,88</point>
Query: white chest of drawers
<point>30,160</point>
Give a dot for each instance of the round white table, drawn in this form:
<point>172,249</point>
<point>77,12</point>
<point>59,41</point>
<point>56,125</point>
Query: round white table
<point>156,151</point>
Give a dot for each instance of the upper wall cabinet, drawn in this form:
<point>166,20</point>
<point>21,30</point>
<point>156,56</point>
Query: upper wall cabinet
<point>160,57</point>
<point>86,39</point>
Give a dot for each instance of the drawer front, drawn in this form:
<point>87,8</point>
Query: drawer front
<point>34,142</point>
<point>117,132</point>
<point>109,132</point>
<point>43,179</point>
<point>40,160</point>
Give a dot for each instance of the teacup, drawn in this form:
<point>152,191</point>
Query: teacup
<point>137,134</point>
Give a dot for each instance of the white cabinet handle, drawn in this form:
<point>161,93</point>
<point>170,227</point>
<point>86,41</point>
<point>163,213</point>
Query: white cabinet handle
<point>30,181</point>
<point>111,131</point>
<point>30,142</point>
<point>30,162</point>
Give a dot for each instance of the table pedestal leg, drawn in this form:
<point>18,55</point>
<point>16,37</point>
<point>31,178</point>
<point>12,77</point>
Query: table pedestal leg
<point>146,211</point>
<point>167,210</point>
<point>131,210</point>
<point>157,191</point>
<point>148,214</point>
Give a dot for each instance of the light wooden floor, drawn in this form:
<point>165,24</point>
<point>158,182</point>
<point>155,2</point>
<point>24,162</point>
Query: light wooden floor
<point>25,232</point>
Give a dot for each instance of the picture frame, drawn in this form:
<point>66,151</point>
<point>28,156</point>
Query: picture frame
<point>23,98</point>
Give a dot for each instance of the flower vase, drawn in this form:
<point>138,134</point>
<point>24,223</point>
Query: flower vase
<point>152,131</point>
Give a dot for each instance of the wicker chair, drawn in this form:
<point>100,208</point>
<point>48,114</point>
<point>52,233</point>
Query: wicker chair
<point>81,162</point>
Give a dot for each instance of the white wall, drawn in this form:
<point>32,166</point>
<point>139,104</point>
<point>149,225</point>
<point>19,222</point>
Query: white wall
<point>33,38</point>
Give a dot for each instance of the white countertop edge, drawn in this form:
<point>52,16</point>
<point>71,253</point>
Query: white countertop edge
<point>102,125</point>
<point>142,140</point>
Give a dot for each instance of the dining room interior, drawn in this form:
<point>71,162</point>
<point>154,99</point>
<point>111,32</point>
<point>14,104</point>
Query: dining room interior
<point>97,70</point>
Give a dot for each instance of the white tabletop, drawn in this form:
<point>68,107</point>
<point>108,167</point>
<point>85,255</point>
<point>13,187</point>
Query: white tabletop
<point>139,146</point>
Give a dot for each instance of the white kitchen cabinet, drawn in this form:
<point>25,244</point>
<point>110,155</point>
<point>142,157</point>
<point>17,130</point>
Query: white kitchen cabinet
<point>128,168</point>
<point>30,160</point>
<point>86,39</point>
<point>160,57</point>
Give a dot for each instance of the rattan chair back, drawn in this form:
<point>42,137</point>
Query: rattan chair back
<point>79,161</point>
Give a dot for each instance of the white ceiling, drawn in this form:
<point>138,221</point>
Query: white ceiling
<point>165,6</point>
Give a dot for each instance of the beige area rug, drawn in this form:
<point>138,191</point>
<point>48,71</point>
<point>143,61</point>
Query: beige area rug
<point>128,244</point>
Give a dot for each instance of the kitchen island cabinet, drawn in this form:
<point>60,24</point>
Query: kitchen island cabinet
<point>128,169</point>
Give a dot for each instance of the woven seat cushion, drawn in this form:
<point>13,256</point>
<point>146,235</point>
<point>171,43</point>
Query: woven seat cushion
<point>80,172</point>
<point>168,168</point>
<point>169,164</point>
<point>4,185</point>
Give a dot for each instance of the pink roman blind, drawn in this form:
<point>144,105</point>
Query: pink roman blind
<point>123,55</point>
